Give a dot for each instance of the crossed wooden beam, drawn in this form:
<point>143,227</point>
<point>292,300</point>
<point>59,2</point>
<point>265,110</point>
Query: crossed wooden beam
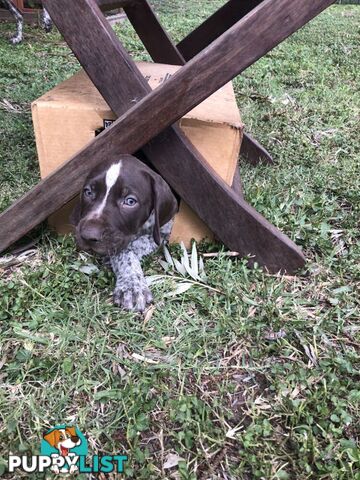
<point>146,119</point>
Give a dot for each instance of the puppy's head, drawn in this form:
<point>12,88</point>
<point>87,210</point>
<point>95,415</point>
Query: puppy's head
<point>116,200</point>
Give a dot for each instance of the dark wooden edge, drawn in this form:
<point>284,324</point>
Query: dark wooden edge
<point>160,47</point>
<point>236,184</point>
<point>253,152</point>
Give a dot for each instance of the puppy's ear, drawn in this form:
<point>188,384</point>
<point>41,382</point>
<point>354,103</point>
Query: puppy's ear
<point>75,215</point>
<point>52,437</point>
<point>164,202</point>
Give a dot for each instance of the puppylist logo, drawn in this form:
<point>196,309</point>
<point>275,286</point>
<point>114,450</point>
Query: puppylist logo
<point>64,449</point>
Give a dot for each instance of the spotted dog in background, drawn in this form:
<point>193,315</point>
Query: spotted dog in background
<point>17,38</point>
<point>125,212</point>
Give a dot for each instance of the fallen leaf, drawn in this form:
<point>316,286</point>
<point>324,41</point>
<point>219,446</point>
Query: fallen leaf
<point>141,358</point>
<point>181,288</point>
<point>89,269</point>
<point>149,313</point>
<point>270,335</point>
<point>172,460</point>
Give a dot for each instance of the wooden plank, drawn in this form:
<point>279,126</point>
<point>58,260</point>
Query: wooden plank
<point>253,152</point>
<point>214,26</point>
<point>154,37</point>
<point>162,50</point>
<point>252,37</point>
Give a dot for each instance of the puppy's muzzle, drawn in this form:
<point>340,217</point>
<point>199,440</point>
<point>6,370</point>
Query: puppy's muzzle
<point>95,235</point>
<point>91,233</point>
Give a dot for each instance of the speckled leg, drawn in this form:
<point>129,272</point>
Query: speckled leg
<point>46,21</point>
<point>131,291</point>
<point>17,38</point>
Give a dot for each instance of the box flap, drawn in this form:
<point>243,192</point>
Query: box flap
<point>79,91</point>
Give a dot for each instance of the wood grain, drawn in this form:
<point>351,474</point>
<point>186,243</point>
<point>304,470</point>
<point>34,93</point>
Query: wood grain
<point>214,26</point>
<point>251,150</point>
<point>243,44</point>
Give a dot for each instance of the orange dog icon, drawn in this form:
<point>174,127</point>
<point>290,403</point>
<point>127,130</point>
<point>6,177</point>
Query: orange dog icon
<point>63,439</point>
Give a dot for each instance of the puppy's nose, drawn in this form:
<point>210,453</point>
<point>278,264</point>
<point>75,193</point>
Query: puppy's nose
<point>91,233</point>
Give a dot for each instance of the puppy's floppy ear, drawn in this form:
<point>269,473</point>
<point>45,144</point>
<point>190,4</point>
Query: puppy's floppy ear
<point>52,437</point>
<point>164,203</point>
<point>75,215</point>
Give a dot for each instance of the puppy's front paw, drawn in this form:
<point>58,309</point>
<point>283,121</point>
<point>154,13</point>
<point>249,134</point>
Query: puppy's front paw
<point>15,40</point>
<point>133,298</point>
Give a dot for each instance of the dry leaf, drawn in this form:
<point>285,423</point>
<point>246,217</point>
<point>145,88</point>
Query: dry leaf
<point>141,358</point>
<point>172,460</point>
<point>149,313</point>
<point>270,335</point>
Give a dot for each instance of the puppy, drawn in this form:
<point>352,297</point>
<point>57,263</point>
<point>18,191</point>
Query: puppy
<point>125,212</point>
<point>17,38</point>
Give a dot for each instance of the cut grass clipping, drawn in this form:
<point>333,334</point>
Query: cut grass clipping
<point>190,266</point>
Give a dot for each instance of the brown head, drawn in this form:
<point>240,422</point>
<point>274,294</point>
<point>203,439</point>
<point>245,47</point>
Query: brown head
<point>116,200</point>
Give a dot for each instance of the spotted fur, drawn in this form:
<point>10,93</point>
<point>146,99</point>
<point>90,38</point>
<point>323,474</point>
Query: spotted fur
<point>131,291</point>
<point>18,37</point>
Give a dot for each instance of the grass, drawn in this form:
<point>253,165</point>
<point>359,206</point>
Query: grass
<point>260,381</point>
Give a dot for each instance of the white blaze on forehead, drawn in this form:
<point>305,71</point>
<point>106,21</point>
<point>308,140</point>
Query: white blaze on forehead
<point>111,177</point>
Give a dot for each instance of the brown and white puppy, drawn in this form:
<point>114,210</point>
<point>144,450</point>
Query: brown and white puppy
<point>125,212</point>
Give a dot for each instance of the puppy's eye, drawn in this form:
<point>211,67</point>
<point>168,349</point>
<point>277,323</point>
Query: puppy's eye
<point>130,201</point>
<point>88,193</point>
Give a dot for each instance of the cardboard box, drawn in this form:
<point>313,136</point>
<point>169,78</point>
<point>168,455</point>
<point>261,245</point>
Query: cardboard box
<point>66,118</point>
